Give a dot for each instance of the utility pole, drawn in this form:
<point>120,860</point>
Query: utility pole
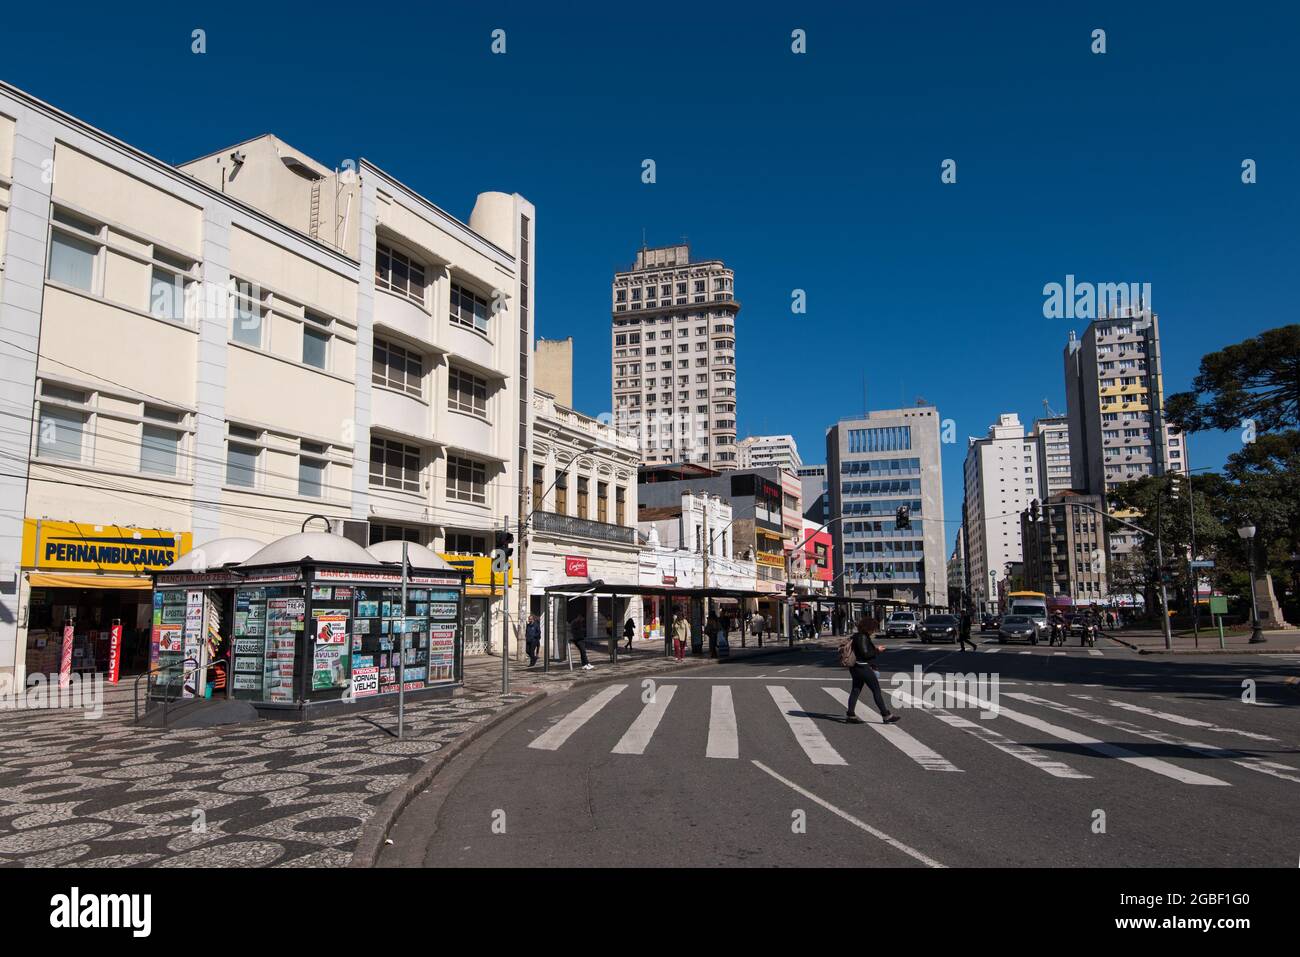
<point>1164,589</point>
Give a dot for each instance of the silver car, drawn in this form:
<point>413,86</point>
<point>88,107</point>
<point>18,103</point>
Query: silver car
<point>1018,628</point>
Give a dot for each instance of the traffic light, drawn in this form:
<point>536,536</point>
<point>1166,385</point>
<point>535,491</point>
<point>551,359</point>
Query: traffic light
<point>1175,486</point>
<point>789,589</point>
<point>903,517</point>
<point>505,541</point>
<point>1033,511</point>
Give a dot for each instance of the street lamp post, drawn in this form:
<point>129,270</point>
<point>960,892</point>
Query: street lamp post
<point>1247,532</point>
<point>993,591</point>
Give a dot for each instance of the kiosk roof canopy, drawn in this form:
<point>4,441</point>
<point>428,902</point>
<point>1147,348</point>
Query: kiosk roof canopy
<point>418,555</point>
<point>312,546</point>
<point>215,554</point>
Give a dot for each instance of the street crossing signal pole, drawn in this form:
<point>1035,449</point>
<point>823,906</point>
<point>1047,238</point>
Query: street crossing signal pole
<point>500,566</point>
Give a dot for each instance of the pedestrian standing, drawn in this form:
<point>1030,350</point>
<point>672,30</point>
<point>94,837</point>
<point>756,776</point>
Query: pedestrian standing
<point>532,639</point>
<point>756,626</point>
<point>629,629</point>
<point>577,635</point>
<point>858,654</point>
<point>711,631</point>
<point>681,635</point>
<point>963,633</point>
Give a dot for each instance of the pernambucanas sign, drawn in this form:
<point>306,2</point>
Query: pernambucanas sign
<point>85,546</point>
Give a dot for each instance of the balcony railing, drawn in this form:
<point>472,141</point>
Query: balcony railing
<point>575,527</point>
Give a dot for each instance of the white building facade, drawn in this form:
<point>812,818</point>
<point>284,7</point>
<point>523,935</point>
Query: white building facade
<point>1001,479</point>
<point>761,451</point>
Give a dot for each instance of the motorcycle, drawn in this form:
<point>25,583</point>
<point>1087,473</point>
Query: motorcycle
<point>1089,636</point>
<point>1057,636</point>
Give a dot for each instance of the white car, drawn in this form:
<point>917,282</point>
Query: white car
<point>901,623</point>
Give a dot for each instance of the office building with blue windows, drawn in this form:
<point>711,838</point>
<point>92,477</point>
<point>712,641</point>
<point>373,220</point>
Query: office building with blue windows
<point>875,465</point>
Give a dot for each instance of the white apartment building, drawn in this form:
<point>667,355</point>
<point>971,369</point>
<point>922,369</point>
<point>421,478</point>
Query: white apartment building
<point>229,347</point>
<point>1001,479</point>
<point>583,513</point>
<point>1114,391</point>
<point>762,451</point>
<point>1052,447</point>
<point>673,365</point>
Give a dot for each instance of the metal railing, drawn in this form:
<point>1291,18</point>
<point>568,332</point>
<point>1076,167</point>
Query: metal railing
<point>577,527</point>
<point>166,697</point>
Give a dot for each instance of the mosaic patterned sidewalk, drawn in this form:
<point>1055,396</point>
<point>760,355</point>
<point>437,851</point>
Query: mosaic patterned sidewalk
<point>105,793</point>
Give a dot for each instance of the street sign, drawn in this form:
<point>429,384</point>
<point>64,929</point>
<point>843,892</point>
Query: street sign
<point>1203,563</point>
<point>1218,605</point>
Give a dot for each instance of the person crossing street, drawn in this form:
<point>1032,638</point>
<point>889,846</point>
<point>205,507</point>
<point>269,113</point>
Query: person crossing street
<point>862,655</point>
<point>963,633</point>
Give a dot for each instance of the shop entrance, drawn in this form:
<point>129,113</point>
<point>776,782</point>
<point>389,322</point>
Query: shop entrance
<point>91,612</point>
<point>477,623</point>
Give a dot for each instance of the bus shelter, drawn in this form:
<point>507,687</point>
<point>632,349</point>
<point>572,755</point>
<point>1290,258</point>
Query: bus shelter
<point>566,610</point>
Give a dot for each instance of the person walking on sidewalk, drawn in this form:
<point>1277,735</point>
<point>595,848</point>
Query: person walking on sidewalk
<point>963,633</point>
<point>577,635</point>
<point>757,626</point>
<point>681,635</point>
<point>629,629</point>
<point>532,639</point>
<point>711,631</point>
<point>862,653</point>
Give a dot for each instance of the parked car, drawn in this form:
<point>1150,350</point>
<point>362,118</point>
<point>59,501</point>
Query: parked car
<point>901,624</point>
<point>1018,628</point>
<point>940,628</point>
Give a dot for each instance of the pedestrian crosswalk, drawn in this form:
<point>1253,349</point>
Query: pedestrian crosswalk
<point>1091,725</point>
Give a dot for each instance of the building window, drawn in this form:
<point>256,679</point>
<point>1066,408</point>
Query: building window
<point>315,341</point>
<point>394,533</point>
<point>311,471</point>
<point>399,273</point>
<point>74,249</point>
<point>602,503</point>
<point>538,488</point>
<point>466,392</point>
<point>562,493</point>
<point>170,287</point>
<point>241,460</point>
<point>397,368</point>
<point>468,309</point>
<point>160,445</point>
<point>466,480</point>
<point>620,504</point>
<point>62,430</point>
<point>462,543</point>
<point>582,496</point>
<point>394,465</point>
<point>248,313</point>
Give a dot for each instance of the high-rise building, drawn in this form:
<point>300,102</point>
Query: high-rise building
<point>876,464</point>
<point>1052,447</point>
<point>816,496</point>
<point>760,451</point>
<point>1114,392</point>
<point>1001,479</point>
<point>674,357</point>
<point>1065,547</point>
<point>957,570</point>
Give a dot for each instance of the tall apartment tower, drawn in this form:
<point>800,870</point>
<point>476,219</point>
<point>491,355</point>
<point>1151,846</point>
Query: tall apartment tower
<point>874,464</point>
<point>1001,478</point>
<point>1114,392</point>
<point>760,451</point>
<point>673,359</point>
<point>1052,446</point>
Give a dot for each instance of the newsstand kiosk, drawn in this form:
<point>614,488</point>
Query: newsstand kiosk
<point>307,624</point>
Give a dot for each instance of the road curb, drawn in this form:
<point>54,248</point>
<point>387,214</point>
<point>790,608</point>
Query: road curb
<point>375,831</point>
<point>1219,651</point>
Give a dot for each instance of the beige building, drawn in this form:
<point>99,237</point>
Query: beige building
<point>674,357</point>
<point>226,348</point>
<point>762,451</point>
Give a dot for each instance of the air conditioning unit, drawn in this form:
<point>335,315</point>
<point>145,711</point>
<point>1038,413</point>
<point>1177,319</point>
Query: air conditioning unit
<point>354,531</point>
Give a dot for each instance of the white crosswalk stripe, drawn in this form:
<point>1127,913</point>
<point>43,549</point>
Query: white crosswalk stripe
<point>723,739</point>
<point>1176,718</point>
<point>991,651</point>
<point>636,737</point>
<point>560,732</point>
<point>914,749</point>
<point>1094,652</point>
<point>1154,765</point>
<point>1272,768</point>
<point>805,730</point>
<point>981,730</point>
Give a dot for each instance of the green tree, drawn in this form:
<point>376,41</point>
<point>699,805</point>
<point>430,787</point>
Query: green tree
<point>1257,381</point>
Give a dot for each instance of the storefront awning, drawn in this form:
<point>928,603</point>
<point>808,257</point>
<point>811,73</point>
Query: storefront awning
<point>56,580</point>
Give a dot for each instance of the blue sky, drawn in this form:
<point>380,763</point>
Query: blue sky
<point>816,171</point>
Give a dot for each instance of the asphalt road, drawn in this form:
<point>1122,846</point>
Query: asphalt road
<point>1161,752</point>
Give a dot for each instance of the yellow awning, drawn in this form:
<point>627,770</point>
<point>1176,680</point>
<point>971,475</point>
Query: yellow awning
<point>57,580</point>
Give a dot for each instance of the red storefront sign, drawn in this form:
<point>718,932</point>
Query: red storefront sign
<point>575,567</point>
<point>670,579</point>
<point>114,651</point>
